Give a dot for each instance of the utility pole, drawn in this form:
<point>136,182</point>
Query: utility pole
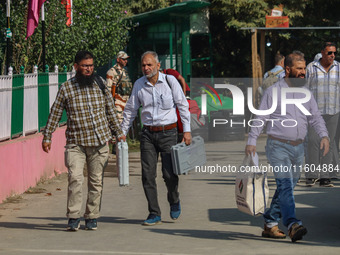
<point>8,36</point>
<point>43,35</point>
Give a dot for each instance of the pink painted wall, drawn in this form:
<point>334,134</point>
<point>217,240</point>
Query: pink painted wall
<point>23,162</point>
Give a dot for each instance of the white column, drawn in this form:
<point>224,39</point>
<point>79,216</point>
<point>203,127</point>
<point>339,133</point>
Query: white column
<point>30,103</point>
<point>5,106</point>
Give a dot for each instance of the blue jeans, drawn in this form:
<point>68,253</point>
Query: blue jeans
<point>286,161</point>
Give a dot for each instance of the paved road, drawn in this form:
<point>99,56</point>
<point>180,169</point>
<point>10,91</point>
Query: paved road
<point>209,224</point>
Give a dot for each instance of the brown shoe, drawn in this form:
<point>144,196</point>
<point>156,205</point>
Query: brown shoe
<point>296,232</point>
<point>273,232</point>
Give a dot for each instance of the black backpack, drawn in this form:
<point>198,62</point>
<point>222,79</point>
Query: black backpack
<point>100,83</point>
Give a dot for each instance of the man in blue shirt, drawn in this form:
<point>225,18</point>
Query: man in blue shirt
<point>273,75</point>
<point>159,96</point>
<point>278,68</point>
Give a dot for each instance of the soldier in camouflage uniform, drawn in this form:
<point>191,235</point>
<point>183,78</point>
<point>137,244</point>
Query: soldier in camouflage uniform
<point>119,83</point>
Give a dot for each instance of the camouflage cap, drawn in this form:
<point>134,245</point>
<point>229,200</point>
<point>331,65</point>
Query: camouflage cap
<point>122,54</point>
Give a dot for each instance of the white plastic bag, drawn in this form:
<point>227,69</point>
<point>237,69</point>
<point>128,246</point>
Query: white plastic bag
<point>251,187</point>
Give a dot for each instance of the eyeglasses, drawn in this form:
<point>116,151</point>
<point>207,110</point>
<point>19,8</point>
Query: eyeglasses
<point>331,52</point>
<point>87,66</point>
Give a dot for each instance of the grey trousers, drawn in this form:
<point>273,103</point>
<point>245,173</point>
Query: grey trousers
<point>96,159</point>
<point>315,157</point>
<point>152,144</point>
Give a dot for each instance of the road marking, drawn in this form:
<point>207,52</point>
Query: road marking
<point>49,251</point>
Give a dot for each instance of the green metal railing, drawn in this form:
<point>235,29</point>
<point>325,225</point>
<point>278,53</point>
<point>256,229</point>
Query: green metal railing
<point>17,116</point>
<point>17,111</point>
<point>43,98</point>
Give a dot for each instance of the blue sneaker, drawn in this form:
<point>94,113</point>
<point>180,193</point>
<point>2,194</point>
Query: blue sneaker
<point>73,224</point>
<point>175,210</point>
<point>152,220</point>
<point>90,224</point>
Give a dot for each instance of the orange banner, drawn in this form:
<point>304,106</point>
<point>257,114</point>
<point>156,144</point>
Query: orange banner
<point>277,21</point>
<point>68,7</point>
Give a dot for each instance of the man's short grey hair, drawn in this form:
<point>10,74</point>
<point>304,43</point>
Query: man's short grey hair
<point>154,54</point>
<point>298,53</point>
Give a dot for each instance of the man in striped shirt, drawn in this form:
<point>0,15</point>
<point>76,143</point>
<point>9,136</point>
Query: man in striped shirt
<point>323,79</point>
<point>91,122</point>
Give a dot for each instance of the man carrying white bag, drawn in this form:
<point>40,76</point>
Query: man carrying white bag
<point>251,187</point>
<point>284,147</point>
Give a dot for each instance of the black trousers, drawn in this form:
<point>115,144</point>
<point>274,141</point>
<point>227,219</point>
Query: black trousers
<point>315,157</point>
<point>152,144</point>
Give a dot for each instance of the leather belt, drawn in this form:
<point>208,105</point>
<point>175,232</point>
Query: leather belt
<point>161,128</point>
<point>294,143</point>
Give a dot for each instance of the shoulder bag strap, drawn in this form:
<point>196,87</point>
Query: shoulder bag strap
<point>120,78</point>
<point>100,83</point>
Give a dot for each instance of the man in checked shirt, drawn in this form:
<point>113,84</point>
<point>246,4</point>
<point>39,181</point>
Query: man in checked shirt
<point>91,122</point>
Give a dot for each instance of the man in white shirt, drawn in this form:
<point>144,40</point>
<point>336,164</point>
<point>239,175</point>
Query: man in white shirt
<point>159,96</point>
<point>323,80</point>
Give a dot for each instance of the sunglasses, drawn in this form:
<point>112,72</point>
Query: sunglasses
<point>331,52</point>
<point>87,66</point>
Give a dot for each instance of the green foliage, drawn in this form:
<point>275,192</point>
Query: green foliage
<point>252,13</point>
<point>140,6</point>
<point>241,13</point>
<point>98,26</point>
<point>134,145</point>
<point>232,46</point>
<point>3,26</point>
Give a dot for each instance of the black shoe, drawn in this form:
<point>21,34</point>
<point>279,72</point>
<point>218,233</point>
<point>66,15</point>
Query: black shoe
<point>90,224</point>
<point>311,181</point>
<point>73,224</point>
<point>326,183</point>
